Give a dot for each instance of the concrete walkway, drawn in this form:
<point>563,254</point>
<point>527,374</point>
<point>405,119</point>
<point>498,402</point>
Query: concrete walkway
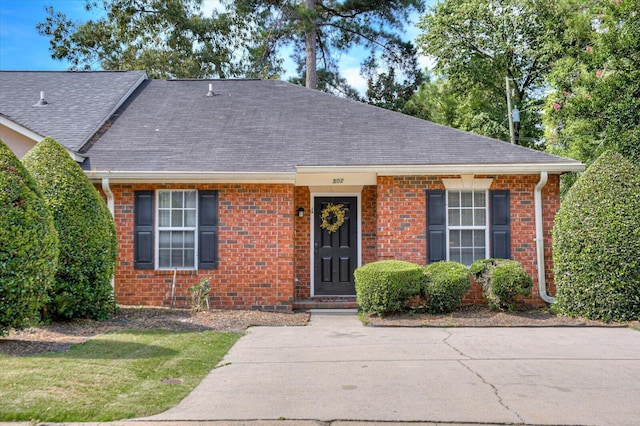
<point>336,370</point>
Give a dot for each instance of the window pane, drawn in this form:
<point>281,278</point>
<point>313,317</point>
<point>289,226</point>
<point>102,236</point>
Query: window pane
<point>466,199</point>
<point>466,256</point>
<point>189,258</point>
<point>164,199</point>
<point>164,240</point>
<point>454,238</point>
<point>189,239</point>
<point>478,238</point>
<point>176,199</point>
<point>176,259</point>
<point>164,258</point>
<point>177,239</point>
<point>190,218</point>
<point>454,255</point>
<point>190,199</point>
<point>467,238</point>
<point>164,218</point>
<point>467,217</point>
<point>479,217</point>
<point>480,199</point>
<point>479,253</point>
<point>454,198</point>
<point>454,217</point>
<point>176,218</point>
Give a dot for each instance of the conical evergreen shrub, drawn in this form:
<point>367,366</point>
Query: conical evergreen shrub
<point>28,245</point>
<point>86,229</point>
<point>596,243</point>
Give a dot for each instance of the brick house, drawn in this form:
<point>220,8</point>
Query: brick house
<point>229,179</point>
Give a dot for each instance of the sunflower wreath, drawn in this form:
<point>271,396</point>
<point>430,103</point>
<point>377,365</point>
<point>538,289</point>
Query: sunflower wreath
<point>329,213</point>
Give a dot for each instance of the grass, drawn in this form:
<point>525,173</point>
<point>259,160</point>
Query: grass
<point>115,376</point>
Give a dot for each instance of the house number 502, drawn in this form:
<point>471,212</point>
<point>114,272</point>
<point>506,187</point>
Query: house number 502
<point>338,181</point>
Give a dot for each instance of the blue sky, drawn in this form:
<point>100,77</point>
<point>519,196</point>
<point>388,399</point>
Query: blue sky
<point>22,48</point>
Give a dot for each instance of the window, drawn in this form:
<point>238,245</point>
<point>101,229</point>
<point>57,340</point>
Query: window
<point>467,226</point>
<point>177,223</point>
<point>460,228</point>
<point>176,229</point>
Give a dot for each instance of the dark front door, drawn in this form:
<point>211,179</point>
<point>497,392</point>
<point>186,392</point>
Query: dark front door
<point>335,253</point>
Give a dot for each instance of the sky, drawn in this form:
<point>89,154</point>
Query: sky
<point>22,48</point>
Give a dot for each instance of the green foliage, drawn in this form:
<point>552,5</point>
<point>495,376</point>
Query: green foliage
<point>477,43</point>
<point>596,243</point>
<point>595,105</point>
<point>446,283</point>
<point>88,245</point>
<point>383,287</point>
<point>28,245</point>
<point>502,281</point>
<point>167,38</point>
<point>200,295</point>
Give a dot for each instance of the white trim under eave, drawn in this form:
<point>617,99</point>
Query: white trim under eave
<point>36,137</point>
<point>449,169</point>
<point>193,177</point>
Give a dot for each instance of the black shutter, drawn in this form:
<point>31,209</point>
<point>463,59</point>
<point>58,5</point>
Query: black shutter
<point>208,229</point>
<point>500,229</point>
<point>143,230</point>
<point>436,225</point>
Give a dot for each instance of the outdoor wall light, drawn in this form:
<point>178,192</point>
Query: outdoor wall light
<point>301,212</point>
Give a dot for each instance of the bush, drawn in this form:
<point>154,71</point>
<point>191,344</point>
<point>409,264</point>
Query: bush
<point>596,243</point>
<point>28,245</point>
<point>383,287</point>
<point>502,281</point>
<point>82,287</point>
<point>446,283</point>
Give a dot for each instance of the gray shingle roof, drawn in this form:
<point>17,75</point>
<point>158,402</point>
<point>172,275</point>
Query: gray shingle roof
<point>274,126</point>
<point>78,102</point>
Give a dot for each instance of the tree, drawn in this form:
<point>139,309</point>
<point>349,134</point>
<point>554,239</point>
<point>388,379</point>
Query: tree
<point>595,105</point>
<point>167,38</point>
<point>88,246</point>
<point>596,243</point>
<point>476,44</point>
<point>326,27</point>
<point>28,245</point>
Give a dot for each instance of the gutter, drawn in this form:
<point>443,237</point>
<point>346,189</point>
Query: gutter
<point>537,197</point>
<point>450,169</point>
<point>111,206</point>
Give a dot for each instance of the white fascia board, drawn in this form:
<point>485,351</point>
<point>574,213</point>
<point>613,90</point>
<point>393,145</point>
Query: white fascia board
<point>192,177</point>
<point>36,137</point>
<point>450,169</point>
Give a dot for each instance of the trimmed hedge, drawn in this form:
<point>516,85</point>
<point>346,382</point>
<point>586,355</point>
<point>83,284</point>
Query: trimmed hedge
<point>383,287</point>
<point>28,245</point>
<point>596,243</point>
<point>88,243</point>
<point>502,281</point>
<point>446,283</point>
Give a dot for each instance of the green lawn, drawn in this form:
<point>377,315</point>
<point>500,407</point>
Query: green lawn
<point>115,376</point>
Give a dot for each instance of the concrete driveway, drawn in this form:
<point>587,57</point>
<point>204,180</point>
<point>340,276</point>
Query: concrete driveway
<point>337,369</point>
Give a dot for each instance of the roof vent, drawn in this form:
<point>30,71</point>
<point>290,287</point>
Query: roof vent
<point>210,92</point>
<point>41,102</point>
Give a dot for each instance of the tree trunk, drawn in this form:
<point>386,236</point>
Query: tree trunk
<point>310,40</point>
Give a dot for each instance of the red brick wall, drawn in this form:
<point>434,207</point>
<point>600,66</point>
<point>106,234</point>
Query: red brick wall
<point>303,244</point>
<point>256,251</point>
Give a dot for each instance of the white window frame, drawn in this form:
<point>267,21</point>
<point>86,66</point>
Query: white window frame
<point>485,227</point>
<point>160,229</point>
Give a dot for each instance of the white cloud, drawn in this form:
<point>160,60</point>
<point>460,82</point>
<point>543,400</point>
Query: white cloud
<point>353,77</point>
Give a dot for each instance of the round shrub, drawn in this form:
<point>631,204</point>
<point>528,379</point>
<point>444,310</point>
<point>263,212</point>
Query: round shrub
<point>28,245</point>
<point>596,243</point>
<point>82,287</point>
<point>383,287</point>
<point>502,281</point>
<point>446,283</point>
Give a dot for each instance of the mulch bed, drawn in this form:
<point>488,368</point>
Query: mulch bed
<point>60,336</point>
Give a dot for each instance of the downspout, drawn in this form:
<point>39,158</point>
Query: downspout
<point>111,206</point>
<point>537,199</point>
